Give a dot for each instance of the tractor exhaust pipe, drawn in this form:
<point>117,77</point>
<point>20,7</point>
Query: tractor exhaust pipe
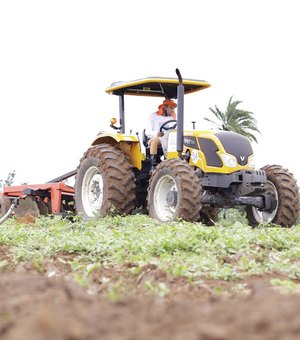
<point>180,112</point>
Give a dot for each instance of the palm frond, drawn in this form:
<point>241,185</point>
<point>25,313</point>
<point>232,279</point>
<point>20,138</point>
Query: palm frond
<point>236,120</point>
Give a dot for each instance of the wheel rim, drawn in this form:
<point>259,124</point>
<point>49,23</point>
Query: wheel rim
<point>266,216</point>
<point>92,191</point>
<point>165,198</point>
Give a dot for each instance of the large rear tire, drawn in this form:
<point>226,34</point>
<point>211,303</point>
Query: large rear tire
<point>282,186</point>
<point>104,182</point>
<point>174,192</point>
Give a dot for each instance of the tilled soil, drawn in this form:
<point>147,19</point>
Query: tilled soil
<point>46,302</point>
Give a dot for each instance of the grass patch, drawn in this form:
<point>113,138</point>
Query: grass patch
<point>226,251</point>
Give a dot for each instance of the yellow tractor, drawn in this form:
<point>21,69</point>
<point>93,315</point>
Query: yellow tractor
<point>197,174</point>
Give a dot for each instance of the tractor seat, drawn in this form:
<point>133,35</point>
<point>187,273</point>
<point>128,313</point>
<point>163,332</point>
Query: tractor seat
<point>145,140</point>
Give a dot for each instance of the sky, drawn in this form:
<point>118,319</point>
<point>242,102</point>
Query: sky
<point>57,58</point>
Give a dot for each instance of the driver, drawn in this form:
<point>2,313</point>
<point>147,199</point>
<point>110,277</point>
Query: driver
<point>166,112</point>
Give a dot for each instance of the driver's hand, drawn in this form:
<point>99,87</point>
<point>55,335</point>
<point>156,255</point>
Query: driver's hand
<point>160,134</point>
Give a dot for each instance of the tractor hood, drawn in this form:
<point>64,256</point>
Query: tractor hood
<point>236,145</point>
<point>221,151</point>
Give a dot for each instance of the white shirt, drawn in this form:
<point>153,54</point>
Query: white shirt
<point>155,122</point>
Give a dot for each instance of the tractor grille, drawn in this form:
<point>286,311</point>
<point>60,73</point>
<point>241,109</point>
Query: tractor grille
<point>236,145</point>
<point>209,148</point>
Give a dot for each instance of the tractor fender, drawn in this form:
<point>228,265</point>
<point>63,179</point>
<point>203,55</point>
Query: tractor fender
<point>129,144</point>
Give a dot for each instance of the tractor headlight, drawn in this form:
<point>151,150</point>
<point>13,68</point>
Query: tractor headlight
<point>251,162</point>
<point>229,160</point>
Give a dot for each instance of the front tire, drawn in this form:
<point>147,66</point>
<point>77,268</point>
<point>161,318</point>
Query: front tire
<point>174,192</point>
<point>104,182</point>
<point>282,186</point>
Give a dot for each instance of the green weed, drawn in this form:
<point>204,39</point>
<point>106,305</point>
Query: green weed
<point>226,251</point>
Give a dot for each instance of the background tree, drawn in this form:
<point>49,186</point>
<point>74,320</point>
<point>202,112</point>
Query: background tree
<point>10,178</point>
<point>236,120</point>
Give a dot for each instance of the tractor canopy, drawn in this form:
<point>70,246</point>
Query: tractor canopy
<point>156,87</point>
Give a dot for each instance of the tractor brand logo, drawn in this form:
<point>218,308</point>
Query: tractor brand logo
<point>189,141</point>
<point>242,158</point>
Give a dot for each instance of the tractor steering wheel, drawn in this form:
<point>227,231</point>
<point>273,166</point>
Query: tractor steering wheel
<point>166,128</point>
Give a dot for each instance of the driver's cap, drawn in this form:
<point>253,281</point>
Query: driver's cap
<point>166,102</point>
<point>169,102</point>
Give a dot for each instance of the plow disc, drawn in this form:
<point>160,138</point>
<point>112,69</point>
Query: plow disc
<point>27,209</point>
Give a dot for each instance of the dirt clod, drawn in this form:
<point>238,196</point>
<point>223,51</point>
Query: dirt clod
<point>35,306</point>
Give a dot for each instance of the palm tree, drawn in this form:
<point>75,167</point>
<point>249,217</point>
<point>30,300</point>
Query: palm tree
<point>236,120</point>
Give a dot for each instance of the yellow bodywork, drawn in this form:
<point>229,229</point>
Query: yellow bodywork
<point>127,143</point>
<point>198,158</point>
<point>131,147</point>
